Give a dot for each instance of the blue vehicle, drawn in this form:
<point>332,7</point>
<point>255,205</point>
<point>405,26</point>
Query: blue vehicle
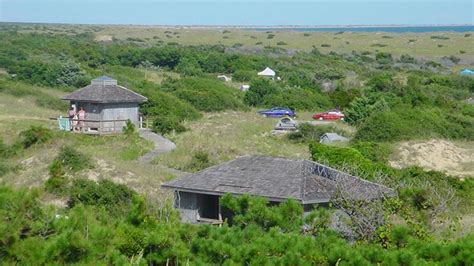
<point>277,112</point>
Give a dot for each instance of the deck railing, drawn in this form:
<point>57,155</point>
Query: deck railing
<point>91,126</point>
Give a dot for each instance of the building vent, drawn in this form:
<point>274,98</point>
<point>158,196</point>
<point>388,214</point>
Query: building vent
<point>104,80</point>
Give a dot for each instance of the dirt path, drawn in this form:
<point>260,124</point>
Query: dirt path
<point>162,145</point>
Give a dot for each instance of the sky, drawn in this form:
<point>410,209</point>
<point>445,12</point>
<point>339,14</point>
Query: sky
<point>239,12</point>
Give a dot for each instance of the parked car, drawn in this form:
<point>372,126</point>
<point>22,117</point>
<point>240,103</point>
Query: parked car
<point>329,115</point>
<point>277,112</point>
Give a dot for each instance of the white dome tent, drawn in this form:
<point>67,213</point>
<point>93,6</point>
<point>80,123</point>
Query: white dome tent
<point>267,72</point>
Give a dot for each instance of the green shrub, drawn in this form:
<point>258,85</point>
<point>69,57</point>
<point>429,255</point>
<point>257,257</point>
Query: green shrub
<point>326,73</point>
<point>374,151</point>
<point>244,75</point>
<point>439,37</point>
<point>199,161</point>
<point>416,123</point>
<point>73,160</point>
<point>206,94</point>
<point>407,59</point>
<point>3,149</point>
<point>57,180</point>
<point>347,159</point>
<point>341,98</point>
<point>258,89</point>
<point>167,124</point>
<point>362,107</point>
<point>34,135</point>
<point>129,128</point>
<point>383,58</point>
<point>307,132</point>
<point>254,211</point>
<point>164,104</point>
<point>4,168</point>
<point>114,197</point>
<point>297,99</point>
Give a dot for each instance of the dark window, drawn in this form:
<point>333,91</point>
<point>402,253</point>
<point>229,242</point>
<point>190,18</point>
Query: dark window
<point>208,206</point>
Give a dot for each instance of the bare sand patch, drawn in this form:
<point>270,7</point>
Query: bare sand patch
<point>104,38</point>
<point>440,155</point>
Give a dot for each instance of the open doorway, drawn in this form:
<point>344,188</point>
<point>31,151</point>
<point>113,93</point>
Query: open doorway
<point>208,206</point>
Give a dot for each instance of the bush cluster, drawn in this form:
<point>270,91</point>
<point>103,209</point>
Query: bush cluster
<point>205,94</point>
<point>34,135</point>
<point>167,124</point>
<point>90,234</point>
<point>308,133</point>
<point>264,92</point>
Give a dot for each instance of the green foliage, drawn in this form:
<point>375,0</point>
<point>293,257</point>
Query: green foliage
<point>244,75</point>
<point>30,233</point>
<point>248,211</point>
<point>383,58</point>
<point>199,161</point>
<point>114,197</point>
<point>363,107</point>
<point>297,99</point>
<point>20,89</point>
<point>73,160</point>
<point>404,124</point>
<point>206,94</point>
<point>328,74</point>
<point>374,151</point>
<point>57,180</point>
<point>341,98</point>
<point>34,135</point>
<point>407,59</point>
<point>129,128</point>
<point>439,37</point>
<point>264,92</point>
<point>307,132</point>
<point>348,159</point>
<point>381,82</point>
<point>167,124</point>
<point>259,88</point>
<point>164,104</point>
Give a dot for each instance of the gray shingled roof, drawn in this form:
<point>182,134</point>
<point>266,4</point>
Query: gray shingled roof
<point>277,179</point>
<point>105,90</point>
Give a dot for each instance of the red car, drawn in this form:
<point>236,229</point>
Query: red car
<point>329,115</point>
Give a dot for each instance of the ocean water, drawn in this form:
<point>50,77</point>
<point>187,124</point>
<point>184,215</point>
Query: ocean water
<point>397,29</point>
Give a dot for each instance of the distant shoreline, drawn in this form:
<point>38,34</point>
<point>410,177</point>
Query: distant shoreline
<point>390,28</point>
<point>253,26</point>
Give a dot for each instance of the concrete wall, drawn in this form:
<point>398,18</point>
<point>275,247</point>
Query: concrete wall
<point>187,204</point>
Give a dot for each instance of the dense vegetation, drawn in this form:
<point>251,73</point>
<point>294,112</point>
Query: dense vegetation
<point>386,99</point>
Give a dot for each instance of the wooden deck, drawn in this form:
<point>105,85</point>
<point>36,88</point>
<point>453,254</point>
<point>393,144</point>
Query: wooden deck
<point>210,221</point>
<point>94,127</point>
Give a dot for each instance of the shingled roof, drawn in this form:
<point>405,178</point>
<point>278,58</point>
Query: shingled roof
<point>105,90</point>
<point>277,179</point>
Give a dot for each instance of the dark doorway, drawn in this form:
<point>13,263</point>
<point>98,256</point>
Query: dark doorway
<point>208,206</point>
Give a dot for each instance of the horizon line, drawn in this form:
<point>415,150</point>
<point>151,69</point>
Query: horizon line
<point>248,26</point>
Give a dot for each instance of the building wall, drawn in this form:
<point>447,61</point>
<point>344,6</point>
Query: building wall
<point>119,111</point>
<point>93,111</point>
<point>187,204</point>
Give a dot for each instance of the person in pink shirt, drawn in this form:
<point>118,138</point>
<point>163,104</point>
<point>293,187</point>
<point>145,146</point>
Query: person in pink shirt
<point>81,116</point>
